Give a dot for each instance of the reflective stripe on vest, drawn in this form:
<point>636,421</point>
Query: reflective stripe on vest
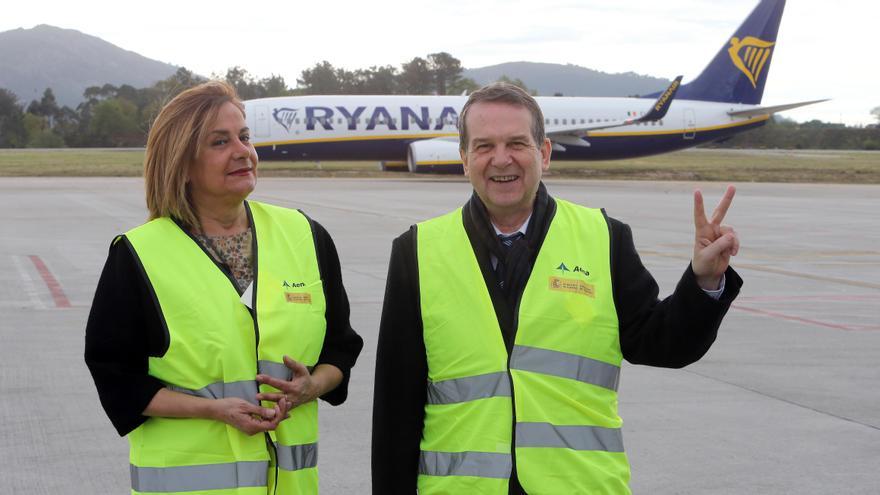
<point>478,464</point>
<point>469,388</point>
<point>214,351</point>
<point>296,457</point>
<point>245,390</point>
<point>570,437</point>
<point>198,478</point>
<point>565,364</point>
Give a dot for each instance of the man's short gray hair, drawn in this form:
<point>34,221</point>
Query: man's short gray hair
<point>502,92</point>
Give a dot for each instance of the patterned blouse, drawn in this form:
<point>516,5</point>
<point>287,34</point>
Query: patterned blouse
<point>234,251</point>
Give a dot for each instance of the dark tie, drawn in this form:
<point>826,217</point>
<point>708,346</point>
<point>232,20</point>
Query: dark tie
<point>506,243</point>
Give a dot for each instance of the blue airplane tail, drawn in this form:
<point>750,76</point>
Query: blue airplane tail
<point>738,72</point>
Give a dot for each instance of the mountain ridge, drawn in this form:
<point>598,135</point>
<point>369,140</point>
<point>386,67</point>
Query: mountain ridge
<point>69,61</point>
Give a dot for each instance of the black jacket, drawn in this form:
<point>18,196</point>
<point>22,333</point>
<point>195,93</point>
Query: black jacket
<point>670,333</point>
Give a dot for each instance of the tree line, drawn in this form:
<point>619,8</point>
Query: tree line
<point>782,133</point>
<point>120,116</point>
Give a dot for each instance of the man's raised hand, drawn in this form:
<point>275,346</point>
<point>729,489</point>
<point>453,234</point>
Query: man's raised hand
<point>714,242</point>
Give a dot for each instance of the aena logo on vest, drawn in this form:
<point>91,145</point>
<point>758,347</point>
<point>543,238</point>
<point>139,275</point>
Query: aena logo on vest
<point>577,269</point>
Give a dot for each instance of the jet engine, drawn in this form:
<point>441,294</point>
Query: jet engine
<point>438,156</point>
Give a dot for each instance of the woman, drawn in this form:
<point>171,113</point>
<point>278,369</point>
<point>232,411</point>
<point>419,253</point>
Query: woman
<point>217,324</point>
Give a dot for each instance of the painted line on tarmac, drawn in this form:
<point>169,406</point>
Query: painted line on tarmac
<point>865,327</point>
<point>356,210</point>
<point>812,297</point>
<point>30,288</point>
<point>821,278</point>
<point>52,284</point>
<point>778,271</point>
<point>784,316</point>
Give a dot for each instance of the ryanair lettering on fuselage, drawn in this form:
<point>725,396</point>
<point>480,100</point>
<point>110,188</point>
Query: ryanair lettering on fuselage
<point>403,118</point>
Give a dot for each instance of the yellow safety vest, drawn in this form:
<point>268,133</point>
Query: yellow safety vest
<point>554,398</point>
<point>216,349</point>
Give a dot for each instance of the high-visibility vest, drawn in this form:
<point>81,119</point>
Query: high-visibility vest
<point>553,400</point>
<point>217,347</point>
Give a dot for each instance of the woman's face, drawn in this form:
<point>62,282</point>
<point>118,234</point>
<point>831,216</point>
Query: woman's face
<point>225,171</point>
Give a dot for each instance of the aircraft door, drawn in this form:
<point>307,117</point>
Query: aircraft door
<point>261,121</point>
<point>690,123</point>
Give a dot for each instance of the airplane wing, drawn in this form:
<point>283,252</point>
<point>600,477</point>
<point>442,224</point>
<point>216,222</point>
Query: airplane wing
<point>574,135</point>
<point>752,112</point>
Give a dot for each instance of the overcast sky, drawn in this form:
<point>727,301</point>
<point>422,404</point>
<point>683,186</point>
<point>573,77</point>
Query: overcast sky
<point>824,49</point>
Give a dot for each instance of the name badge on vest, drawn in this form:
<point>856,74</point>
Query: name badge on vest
<point>572,285</point>
<point>298,297</point>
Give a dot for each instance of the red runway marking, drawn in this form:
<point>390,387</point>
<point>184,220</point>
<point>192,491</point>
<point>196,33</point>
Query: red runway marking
<point>865,327</point>
<point>53,285</point>
<point>794,318</point>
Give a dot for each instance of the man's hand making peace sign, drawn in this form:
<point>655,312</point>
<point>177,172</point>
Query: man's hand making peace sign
<point>714,243</point>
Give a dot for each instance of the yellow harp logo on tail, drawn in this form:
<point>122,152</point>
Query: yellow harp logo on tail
<point>749,55</point>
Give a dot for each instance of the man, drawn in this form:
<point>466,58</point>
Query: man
<point>505,323</point>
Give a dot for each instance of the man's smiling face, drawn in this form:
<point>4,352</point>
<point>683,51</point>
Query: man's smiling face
<point>501,158</point>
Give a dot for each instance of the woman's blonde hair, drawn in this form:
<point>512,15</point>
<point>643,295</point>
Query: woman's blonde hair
<point>176,139</point>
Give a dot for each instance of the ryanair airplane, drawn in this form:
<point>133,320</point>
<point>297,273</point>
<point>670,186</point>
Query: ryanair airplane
<point>420,133</point>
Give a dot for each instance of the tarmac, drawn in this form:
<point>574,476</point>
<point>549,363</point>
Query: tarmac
<point>786,401</point>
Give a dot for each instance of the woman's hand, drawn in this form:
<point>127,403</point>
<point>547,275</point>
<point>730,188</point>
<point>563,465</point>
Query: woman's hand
<point>303,386</point>
<point>249,418</point>
<point>239,413</point>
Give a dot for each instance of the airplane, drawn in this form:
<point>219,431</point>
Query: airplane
<point>419,133</point>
